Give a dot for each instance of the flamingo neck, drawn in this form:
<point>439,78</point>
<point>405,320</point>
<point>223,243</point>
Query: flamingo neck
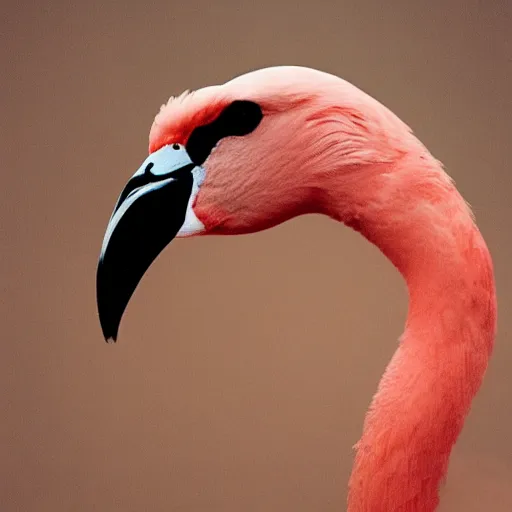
<point>414,214</point>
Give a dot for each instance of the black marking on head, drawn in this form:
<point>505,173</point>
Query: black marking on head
<point>237,119</point>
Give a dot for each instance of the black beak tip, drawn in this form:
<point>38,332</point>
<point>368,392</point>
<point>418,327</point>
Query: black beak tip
<point>110,310</point>
<point>109,329</point>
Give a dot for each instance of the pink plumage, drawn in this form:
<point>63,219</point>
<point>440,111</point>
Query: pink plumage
<point>325,146</point>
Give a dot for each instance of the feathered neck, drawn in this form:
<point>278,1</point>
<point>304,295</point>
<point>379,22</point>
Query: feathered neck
<point>411,210</point>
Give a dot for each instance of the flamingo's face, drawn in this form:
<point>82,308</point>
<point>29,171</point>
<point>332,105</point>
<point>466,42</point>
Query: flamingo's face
<point>232,159</point>
<point>209,181</point>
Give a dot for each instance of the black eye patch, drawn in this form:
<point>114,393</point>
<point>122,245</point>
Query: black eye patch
<point>237,119</point>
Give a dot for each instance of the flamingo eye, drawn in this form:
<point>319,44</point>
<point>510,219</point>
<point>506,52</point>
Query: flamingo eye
<point>239,118</point>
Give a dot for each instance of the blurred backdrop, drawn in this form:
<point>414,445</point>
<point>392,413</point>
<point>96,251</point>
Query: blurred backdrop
<point>244,365</point>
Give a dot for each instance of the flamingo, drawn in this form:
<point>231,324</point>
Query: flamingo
<point>284,141</point>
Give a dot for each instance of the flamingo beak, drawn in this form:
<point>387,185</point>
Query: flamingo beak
<point>148,215</point>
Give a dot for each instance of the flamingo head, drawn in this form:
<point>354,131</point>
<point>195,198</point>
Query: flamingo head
<point>238,158</point>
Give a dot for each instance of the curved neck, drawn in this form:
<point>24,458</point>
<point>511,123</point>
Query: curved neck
<point>414,214</point>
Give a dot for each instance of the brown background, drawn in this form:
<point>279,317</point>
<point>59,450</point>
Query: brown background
<point>245,364</point>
